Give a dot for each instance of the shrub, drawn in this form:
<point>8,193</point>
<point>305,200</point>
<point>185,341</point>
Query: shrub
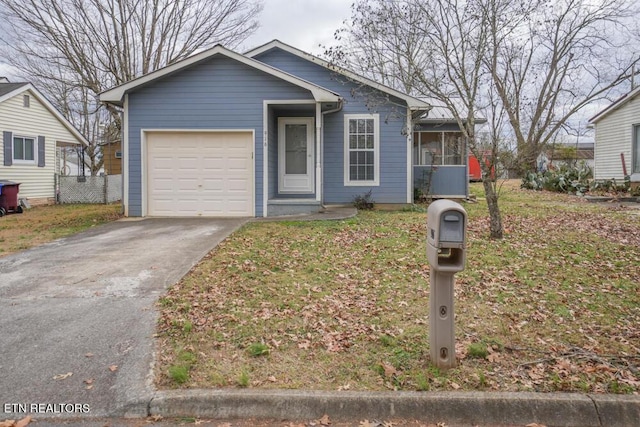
<point>364,201</point>
<point>565,179</point>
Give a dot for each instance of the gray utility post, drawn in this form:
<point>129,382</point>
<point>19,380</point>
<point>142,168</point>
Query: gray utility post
<point>446,240</point>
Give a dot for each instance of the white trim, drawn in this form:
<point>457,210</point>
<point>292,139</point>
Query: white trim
<point>319,93</point>
<point>318,171</point>
<point>411,101</point>
<point>125,160</point>
<point>409,157</point>
<point>265,157</point>
<point>265,144</point>
<point>23,162</point>
<point>144,149</point>
<point>53,110</point>
<point>308,121</point>
<point>614,106</point>
<point>376,150</point>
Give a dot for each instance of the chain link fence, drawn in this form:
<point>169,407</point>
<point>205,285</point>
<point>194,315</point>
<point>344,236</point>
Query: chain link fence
<point>88,189</point>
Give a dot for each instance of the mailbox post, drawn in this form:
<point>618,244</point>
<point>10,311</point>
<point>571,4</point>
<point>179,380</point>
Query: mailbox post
<point>446,253</point>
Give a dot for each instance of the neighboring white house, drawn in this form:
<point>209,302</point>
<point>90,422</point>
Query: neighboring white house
<point>617,139</point>
<point>32,132</point>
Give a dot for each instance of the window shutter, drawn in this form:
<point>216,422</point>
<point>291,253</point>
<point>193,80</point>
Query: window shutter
<point>41,151</point>
<point>7,138</point>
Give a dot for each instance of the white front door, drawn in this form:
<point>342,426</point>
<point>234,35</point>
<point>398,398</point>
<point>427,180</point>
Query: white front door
<point>295,155</point>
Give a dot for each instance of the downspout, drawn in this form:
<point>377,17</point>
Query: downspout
<point>321,148</point>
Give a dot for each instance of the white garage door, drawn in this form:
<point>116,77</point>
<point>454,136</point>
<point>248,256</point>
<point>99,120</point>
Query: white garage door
<point>200,174</point>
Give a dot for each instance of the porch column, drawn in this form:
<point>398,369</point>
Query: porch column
<point>410,162</point>
<point>318,153</point>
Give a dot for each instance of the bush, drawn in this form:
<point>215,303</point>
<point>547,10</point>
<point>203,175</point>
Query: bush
<point>565,179</point>
<point>364,201</point>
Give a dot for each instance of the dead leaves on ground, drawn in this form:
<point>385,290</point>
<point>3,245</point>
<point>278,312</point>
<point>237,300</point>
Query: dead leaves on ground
<point>556,301</point>
<point>19,423</point>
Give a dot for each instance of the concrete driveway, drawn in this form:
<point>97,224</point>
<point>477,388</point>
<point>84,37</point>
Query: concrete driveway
<point>77,315</point>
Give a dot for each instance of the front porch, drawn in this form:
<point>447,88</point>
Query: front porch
<point>293,159</point>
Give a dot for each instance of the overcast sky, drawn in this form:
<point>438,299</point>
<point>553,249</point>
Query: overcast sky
<point>304,24</point>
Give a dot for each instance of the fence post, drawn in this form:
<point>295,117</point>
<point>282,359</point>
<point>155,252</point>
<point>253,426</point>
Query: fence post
<point>105,190</point>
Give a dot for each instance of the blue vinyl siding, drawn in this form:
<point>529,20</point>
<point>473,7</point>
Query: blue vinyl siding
<point>393,145</point>
<point>218,93</point>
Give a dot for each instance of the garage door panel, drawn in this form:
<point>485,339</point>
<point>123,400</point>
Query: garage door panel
<point>200,174</point>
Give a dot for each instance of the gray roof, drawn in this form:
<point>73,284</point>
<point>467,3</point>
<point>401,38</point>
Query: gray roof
<point>5,88</point>
<point>441,113</point>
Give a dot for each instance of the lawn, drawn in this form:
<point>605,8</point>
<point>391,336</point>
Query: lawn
<point>43,224</point>
<point>555,306</point>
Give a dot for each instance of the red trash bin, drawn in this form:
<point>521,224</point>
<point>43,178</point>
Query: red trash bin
<point>9,197</point>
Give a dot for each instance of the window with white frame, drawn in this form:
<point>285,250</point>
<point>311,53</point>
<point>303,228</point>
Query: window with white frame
<point>24,149</point>
<point>361,149</point>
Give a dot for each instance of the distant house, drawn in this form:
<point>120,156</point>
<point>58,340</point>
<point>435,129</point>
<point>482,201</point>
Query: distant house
<point>33,132</point>
<point>112,156</point>
<point>274,131</point>
<point>617,139</point>
<point>567,154</point>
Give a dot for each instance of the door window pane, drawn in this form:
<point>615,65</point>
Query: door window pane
<point>296,149</point>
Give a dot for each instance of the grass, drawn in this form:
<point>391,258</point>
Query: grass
<point>554,306</point>
<point>42,224</point>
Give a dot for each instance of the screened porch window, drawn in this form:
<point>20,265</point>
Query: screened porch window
<point>438,148</point>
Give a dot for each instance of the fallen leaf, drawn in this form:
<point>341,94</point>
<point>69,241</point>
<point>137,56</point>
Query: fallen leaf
<point>89,381</point>
<point>389,370</point>
<point>24,422</point>
<point>535,425</point>
<point>272,379</point>
<point>113,368</point>
<point>365,423</point>
<point>325,420</point>
<point>88,355</point>
<point>63,376</point>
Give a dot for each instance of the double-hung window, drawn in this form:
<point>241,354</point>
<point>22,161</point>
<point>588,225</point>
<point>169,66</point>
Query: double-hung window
<point>24,149</point>
<point>361,149</point>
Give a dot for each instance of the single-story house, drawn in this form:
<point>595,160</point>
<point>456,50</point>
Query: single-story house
<point>566,154</point>
<point>33,132</point>
<point>274,131</point>
<point>617,139</point>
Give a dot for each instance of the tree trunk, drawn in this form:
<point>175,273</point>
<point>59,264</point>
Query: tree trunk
<point>495,219</point>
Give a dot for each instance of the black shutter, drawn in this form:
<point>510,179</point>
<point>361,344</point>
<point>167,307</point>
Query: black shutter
<point>40,151</point>
<point>7,142</point>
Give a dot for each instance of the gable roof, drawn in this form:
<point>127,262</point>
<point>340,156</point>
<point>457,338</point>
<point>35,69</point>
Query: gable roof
<point>615,105</point>
<point>411,101</point>
<point>6,88</point>
<point>9,90</point>
<point>116,95</point>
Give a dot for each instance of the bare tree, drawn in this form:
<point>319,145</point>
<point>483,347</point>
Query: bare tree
<point>561,56</point>
<point>433,48</point>
<point>75,49</point>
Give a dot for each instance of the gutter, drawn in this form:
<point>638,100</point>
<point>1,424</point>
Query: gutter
<point>335,110</point>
